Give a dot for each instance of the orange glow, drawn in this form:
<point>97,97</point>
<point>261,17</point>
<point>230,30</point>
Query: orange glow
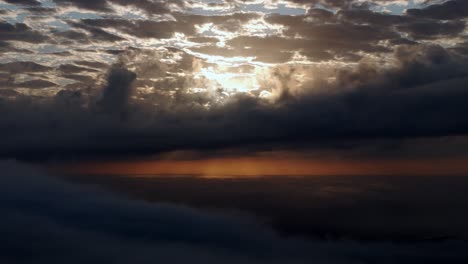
<point>251,167</point>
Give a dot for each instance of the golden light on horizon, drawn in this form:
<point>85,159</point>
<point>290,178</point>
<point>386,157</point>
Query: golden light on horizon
<point>258,167</point>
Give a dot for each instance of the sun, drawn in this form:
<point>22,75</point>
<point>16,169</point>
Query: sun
<point>231,76</point>
<point>231,81</point>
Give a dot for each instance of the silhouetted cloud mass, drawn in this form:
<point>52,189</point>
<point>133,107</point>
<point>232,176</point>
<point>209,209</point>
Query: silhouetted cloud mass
<point>48,221</point>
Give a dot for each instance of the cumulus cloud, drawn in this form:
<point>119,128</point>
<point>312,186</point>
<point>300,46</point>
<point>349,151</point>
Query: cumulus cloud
<point>48,221</point>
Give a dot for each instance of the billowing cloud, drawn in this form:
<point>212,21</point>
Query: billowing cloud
<point>362,102</point>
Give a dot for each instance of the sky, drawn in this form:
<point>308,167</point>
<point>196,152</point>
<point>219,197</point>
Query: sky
<point>354,81</point>
<point>238,131</point>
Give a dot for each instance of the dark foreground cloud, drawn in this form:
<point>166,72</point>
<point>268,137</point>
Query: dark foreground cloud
<point>47,221</point>
<point>366,208</point>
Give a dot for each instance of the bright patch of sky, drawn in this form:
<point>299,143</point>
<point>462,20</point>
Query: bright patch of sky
<point>47,3</point>
<point>81,15</point>
<point>59,25</point>
<point>280,9</point>
<point>398,9</point>
<point>8,6</point>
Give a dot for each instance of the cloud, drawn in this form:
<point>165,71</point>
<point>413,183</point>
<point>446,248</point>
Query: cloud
<point>97,34</point>
<point>48,221</point>
<point>20,32</point>
<point>24,2</point>
<point>23,67</point>
<point>36,84</point>
<point>117,93</point>
<point>152,7</point>
<point>404,208</point>
<point>190,78</point>
<point>453,9</point>
<point>433,29</point>
<point>421,95</point>
<point>183,23</point>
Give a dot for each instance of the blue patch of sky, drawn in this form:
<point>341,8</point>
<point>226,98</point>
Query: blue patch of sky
<point>59,25</point>
<point>130,15</point>
<point>45,49</point>
<point>398,9</point>
<point>15,18</point>
<point>6,6</point>
<point>48,3</point>
<point>280,9</point>
<point>80,15</point>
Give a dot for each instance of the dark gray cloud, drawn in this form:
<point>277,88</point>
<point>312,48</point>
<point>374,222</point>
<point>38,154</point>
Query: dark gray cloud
<point>71,68</point>
<point>20,32</point>
<point>418,27</point>
<point>462,48</point>
<point>8,93</point>
<point>116,95</point>
<point>433,29</point>
<point>184,23</point>
<point>376,208</point>
<point>23,67</point>
<point>421,96</point>
<point>97,34</point>
<point>36,84</point>
<point>24,2</point>
<point>81,78</point>
<point>452,9</point>
<point>152,7</point>
<point>340,4</point>
<point>42,11</point>
<point>92,64</point>
<point>74,35</point>
<point>48,221</point>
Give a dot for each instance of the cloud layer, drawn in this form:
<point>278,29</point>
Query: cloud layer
<point>48,221</point>
<point>111,78</point>
<point>421,96</point>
